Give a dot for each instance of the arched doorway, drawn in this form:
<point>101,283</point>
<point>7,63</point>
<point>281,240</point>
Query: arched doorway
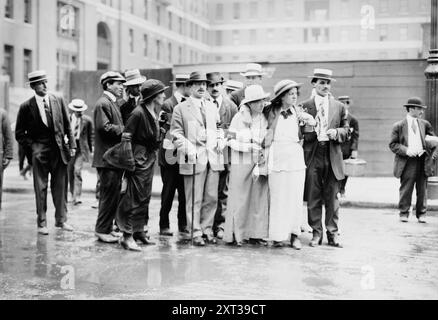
<point>104,46</point>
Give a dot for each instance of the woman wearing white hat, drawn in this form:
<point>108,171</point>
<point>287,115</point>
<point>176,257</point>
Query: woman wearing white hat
<point>247,212</point>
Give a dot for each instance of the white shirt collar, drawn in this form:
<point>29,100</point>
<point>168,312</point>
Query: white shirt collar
<point>197,102</point>
<point>40,99</point>
<point>178,96</point>
<point>410,118</point>
<point>319,99</point>
<point>110,95</point>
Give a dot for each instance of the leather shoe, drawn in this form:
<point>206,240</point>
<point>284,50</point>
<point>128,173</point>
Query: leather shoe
<point>143,238</point>
<point>210,239</point>
<point>422,219</point>
<point>66,227</point>
<point>277,244</point>
<point>220,234</point>
<point>44,231</point>
<point>295,242</point>
<point>198,241</point>
<point>128,243</point>
<point>259,242</point>
<point>316,240</point>
<point>107,238</point>
<point>404,218</point>
<point>116,234</point>
<point>184,231</point>
<point>166,232</point>
<point>333,241</point>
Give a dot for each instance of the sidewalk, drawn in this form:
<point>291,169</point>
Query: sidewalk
<point>362,192</point>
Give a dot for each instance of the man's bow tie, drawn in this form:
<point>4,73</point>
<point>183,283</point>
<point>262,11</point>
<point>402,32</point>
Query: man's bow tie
<point>286,113</point>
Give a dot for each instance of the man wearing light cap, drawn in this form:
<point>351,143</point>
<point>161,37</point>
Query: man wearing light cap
<point>83,132</point>
<point>134,80</point>
<point>109,128</point>
<point>253,75</point>
<point>43,126</point>
<point>230,86</point>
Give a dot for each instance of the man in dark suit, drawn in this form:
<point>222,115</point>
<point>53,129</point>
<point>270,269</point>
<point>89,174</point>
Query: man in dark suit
<point>323,158</point>
<point>5,147</point>
<point>412,163</point>
<point>109,128</point>
<point>134,80</point>
<point>83,132</point>
<point>167,160</point>
<point>43,126</point>
<point>227,110</point>
<point>253,75</point>
<point>349,147</point>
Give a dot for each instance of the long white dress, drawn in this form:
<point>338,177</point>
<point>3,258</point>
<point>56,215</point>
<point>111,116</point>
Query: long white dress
<point>287,172</point>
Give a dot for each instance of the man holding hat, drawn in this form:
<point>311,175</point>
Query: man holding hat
<point>253,75</point>
<point>43,126</point>
<point>349,147</point>
<point>323,157</point>
<point>167,159</point>
<point>109,128</point>
<point>200,144</point>
<point>413,161</point>
<point>83,133</point>
<point>134,80</point>
<point>227,110</point>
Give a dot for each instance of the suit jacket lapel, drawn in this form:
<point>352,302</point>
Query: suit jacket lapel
<point>331,112</point>
<point>312,108</point>
<point>194,110</point>
<point>222,110</point>
<point>405,131</point>
<point>422,133</point>
<point>34,109</point>
<point>54,110</point>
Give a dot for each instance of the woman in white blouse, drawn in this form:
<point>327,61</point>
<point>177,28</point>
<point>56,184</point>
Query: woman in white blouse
<point>286,164</point>
<point>247,211</point>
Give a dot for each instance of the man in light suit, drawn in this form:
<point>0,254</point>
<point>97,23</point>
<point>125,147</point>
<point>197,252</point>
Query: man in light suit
<point>323,158</point>
<point>200,143</point>
<point>413,161</point>
<point>43,126</point>
<point>253,75</point>
<point>227,110</point>
<point>83,132</point>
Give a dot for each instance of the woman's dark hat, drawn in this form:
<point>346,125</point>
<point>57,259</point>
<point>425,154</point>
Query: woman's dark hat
<point>151,87</point>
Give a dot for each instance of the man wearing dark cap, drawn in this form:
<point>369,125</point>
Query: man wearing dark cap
<point>323,158</point>
<point>413,161</point>
<point>200,143</point>
<point>172,179</point>
<point>108,132</point>
<point>349,147</point>
<point>43,126</point>
<point>227,110</point>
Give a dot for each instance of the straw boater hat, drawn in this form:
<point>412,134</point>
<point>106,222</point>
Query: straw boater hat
<point>415,102</point>
<point>111,75</point>
<point>324,74</point>
<point>254,93</point>
<point>77,105</point>
<point>151,88</point>
<point>36,76</point>
<point>343,98</point>
<point>133,78</point>
<point>284,86</point>
<point>180,78</point>
<point>253,69</point>
<point>233,85</point>
<point>197,77</point>
<point>215,77</point>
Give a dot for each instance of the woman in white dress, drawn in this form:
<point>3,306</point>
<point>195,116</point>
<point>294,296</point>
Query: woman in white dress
<point>247,211</point>
<point>286,165</point>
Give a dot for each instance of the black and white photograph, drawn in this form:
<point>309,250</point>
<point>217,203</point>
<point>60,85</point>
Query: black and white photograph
<point>232,152</point>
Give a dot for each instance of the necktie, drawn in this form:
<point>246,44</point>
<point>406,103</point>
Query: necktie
<point>216,103</point>
<point>414,126</point>
<point>48,114</point>
<point>77,128</point>
<point>204,118</point>
<point>183,99</point>
<point>321,121</point>
<point>286,113</point>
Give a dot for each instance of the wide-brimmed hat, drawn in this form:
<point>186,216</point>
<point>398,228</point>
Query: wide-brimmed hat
<point>325,74</point>
<point>133,78</point>
<point>151,88</point>
<point>111,75</point>
<point>233,85</point>
<point>197,77</point>
<point>215,77</point>
<point>77,105</point>
<point>254,93</point>
<point>180,78</point>
<point>36,76</point>
<point>415,102</point>
<point>284,86</point>
<point>253,69</point>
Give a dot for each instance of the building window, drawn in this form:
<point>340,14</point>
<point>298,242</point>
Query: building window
<point>131,40</point>
<point>180,55</point>
<point>271,6</point>
<point>158,15</point>
<point>67,20</point>
<point>236,40</point>
<point>27,63</point>
<point>316,35</point>
<point>8,63</point>
<point>180,26</point>
<point>9,9</point>
<point>404,32</point>
<point>158,43</point>
<point>66,62</point>
<point>236,10</point>
<point>219,11</point>
<point>145,14</point>
<point>27,11</point>
<point>253,10</point>
<point>252,36</point>
<point>383,6</point>
<point>383,33</point>
<point>169,52</point>
<point>344,9</point>
<point>131,6</point>
<point>218,58</point>
<point>169,20</point>
<point>289,7</point>
<point>316,10</point>
<point>344,35</point>
<point>404,6</point>
<point>145,45</point>
<point>218,38</point>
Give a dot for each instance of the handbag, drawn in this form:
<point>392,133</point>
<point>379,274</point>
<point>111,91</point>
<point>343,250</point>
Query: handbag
<point>121,156</point>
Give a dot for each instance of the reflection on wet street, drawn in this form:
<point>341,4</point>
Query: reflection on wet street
<point>381,259</point>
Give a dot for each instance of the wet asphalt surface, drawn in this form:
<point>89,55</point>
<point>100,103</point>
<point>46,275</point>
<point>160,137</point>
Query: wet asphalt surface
<point>382,258</point>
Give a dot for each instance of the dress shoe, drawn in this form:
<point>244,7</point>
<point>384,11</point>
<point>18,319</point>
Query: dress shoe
<point>198,241</point>
<point>77,202</point>
<point>184,230</point>
<point>143,238</point>
<point>316,240</point>
<point>422,219</point>
<point>220,234</point>
<point>116,234</point>
<point>333,241</point>
<point>210,239</point>
<point>295,242</point>
<point>44,231</point>
<point>404,218</point>
<point>107,238</point>
<point>128,243</point>
<point>166,232</point>
<point>259,242</point>
<point>66,227</point>
<point>277,244</point>
<point>95,205</point>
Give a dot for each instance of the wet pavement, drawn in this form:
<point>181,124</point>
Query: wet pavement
<point>382,258</point>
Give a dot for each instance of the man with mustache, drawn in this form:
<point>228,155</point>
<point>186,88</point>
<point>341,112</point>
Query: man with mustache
<point>253,75</point>
<point>108,132</point>
<point>200,145</point>
<point>227,110</point>
<point>323,157</point>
